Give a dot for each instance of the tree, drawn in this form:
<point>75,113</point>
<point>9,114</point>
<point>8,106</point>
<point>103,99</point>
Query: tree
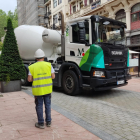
<point>10,15</point>
<point>11,65</point>
<point>15,15</point>
<point>3,20</point>
<point>1,44</point>
<point>15,19</point>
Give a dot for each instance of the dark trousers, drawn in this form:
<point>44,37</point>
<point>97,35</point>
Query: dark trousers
<point>39,108</point>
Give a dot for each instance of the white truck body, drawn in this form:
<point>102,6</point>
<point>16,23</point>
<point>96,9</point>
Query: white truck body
<point>29,39</point>
<point>82,56</point>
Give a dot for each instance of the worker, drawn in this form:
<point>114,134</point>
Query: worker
<point>41,74</point>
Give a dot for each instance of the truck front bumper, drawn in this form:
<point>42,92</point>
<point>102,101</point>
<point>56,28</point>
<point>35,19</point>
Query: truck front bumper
<point>99,84</point>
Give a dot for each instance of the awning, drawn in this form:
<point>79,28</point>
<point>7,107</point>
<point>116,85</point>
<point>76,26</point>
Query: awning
<point>134,47</point>
<point>132,52</point>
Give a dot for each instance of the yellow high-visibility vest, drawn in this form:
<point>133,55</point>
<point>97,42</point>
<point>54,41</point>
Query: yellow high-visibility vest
<point>42,81</point>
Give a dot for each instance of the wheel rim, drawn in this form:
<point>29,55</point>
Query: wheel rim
<point>69,83</point>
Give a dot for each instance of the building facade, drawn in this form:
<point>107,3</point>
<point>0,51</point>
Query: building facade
<point>31,12</point>
<point>53,7</point>
<point>123,10</point>
<point>126,11</point>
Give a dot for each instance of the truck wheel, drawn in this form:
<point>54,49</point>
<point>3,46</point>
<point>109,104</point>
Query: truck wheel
<point>70,83</point>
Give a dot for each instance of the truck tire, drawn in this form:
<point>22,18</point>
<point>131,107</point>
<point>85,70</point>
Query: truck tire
<point>70,83</point>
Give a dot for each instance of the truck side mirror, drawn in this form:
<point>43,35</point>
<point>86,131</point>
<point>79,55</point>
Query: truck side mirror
<point>122,32</point>
<point>81,32</point>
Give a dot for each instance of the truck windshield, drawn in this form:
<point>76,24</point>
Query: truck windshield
<point>109,33</point>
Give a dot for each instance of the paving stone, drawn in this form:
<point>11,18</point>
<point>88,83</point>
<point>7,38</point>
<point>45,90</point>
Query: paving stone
<point>137,134</point>
<point>130,137</point>
<point>117,136</point>
<point>114,112</point>
<point>18,122</point>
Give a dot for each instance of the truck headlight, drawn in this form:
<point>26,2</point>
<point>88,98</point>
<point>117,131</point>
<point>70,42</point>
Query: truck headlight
<point>98,74</point>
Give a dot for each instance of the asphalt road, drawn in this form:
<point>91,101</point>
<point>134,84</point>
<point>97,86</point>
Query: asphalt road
<point>110,115</point>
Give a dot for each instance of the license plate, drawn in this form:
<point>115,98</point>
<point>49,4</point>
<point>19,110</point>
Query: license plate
<point>120,82</point>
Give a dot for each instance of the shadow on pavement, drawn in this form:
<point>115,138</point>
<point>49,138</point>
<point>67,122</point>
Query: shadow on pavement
<point>90,93</point>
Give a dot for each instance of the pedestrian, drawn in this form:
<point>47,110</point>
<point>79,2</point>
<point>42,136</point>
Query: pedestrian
<point>41,74</point>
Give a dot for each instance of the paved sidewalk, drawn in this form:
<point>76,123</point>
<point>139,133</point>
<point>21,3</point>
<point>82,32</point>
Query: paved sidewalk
<point>18,117</point>
<point>133,85</point>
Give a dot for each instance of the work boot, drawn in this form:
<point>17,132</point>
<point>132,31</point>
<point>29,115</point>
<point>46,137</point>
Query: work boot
<point>41,126</point>
<point>48,124</point>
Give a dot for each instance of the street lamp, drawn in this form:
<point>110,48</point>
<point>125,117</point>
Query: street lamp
<point>53,26</point>
<point>46,18</point>
<point>59,19</point>
<point>62,25</point>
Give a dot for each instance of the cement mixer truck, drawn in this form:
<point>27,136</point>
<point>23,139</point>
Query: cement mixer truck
<point>91,53</point>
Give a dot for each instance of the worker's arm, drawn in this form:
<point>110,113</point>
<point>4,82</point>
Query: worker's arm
<point>30,78</point>
<point>53,75</point>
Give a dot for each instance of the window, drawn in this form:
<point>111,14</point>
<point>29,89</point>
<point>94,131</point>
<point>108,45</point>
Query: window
<point>75,30</point>
<point>74,9</point>
<point>87,31</point>
<point>59,2</point>
<point>81,5</point>
<point>55,19</point>
<point>134,17</point>
<point>46,9</point>
<point>136,8</point>
<point>90,1</point>
<point>75,33</point>
<point>135,13</point>
<point>121,16</point>
<point>54,3</point>
<point>135,39</point>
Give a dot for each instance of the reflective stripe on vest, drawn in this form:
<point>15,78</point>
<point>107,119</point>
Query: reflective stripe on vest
<point>46,85</point>
<point>42,81</point>
<point>35,79</point>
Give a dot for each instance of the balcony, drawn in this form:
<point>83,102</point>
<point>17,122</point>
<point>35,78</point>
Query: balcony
<point>95,4</point>
<point>47,2</point>
<point>48,13</point>
<point>71,1</point>
<point>87,10</point>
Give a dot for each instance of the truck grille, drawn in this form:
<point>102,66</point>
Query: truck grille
<point>114,61</point>
<point>118,74</point>
<point>119,65</point>
<point>114,74</point>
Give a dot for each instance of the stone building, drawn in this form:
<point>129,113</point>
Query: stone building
<point>53,7</point>
<point>123,10</point>
<point>31,12</point>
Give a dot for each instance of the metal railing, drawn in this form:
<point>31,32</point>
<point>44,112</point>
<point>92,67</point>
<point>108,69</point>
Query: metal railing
<point>48,13</point>
<point>46,1</point>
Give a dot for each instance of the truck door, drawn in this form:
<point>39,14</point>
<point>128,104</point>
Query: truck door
<point>75,49</point>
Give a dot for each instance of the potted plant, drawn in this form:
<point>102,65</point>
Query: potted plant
<point>11,66</point>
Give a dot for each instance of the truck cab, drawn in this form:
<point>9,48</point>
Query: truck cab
<point>96,55</point>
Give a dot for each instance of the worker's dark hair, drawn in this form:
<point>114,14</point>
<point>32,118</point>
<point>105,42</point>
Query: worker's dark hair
<point>45,59</point>
<point>39,58</point>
